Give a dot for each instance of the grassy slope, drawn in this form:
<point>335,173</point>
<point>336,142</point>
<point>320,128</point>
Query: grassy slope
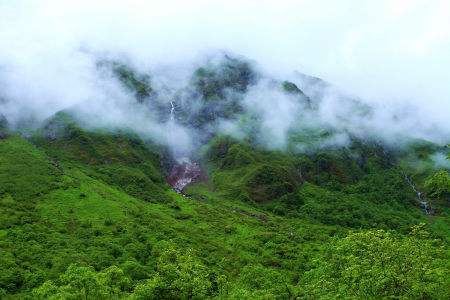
<point>75,217</point>
<point>61,207</point>
<point>332,186</point>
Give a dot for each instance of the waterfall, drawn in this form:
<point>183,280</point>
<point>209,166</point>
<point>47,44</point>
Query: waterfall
<point>420,198</point>
<point>172,111</point>
<point>184,171</point>
<point>422,201</point>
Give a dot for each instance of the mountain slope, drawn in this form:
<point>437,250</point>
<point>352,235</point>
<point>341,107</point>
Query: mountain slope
<point>61,207</point>
<point>268,200</point>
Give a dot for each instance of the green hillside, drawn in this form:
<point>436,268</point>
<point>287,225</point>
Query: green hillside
<point>88,215</point>
<point>88,212</point>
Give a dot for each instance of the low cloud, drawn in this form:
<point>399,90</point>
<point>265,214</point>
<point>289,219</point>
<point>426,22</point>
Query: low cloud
<point>393,54</point>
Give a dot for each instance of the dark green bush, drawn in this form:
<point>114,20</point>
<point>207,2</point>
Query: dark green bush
<point>268,182</point>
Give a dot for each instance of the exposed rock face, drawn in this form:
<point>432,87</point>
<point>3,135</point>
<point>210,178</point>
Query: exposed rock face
<point>183,174</point>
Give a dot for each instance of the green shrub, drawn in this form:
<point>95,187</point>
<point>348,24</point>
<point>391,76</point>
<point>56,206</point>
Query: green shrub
<point>438,184</point>
<point>258,282</point>
<point>25,172</point>
<point>268,182</point>
<point>178,276</point>
<point>379,264</point>
<point>133,181</point>
<point>84,283</point>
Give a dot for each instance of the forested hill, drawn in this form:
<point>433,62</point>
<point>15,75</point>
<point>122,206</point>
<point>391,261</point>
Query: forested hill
<point>108,213</point>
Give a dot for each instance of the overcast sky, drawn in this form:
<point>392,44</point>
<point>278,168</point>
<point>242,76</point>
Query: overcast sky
<point>392,51</point>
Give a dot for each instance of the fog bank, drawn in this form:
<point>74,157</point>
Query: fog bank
<point>393,54</point>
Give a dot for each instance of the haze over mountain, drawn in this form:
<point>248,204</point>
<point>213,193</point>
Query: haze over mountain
<point>393,54</point>
<point>230,150</point>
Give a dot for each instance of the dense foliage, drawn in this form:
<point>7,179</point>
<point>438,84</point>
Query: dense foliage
<point>438,185</point>
<point>376,263</point>
<point>87,214</point>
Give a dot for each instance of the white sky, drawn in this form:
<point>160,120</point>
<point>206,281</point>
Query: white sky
<point>384,50</point>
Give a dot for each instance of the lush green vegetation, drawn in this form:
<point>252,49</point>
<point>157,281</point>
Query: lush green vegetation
<point>138,83</point>
<point>88,215</point>
<point>375,264</point>
<point>212,80</point>
<point>332,186</point>
<point>220,86</point>
<point>438,184</point>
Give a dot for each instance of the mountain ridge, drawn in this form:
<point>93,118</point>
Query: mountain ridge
<point>88,212</point>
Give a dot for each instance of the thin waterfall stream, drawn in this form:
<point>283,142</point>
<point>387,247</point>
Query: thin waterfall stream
<point>184,171</point>
<point>422,201</point>
<point>172,111</point>
<point>424,204</point>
